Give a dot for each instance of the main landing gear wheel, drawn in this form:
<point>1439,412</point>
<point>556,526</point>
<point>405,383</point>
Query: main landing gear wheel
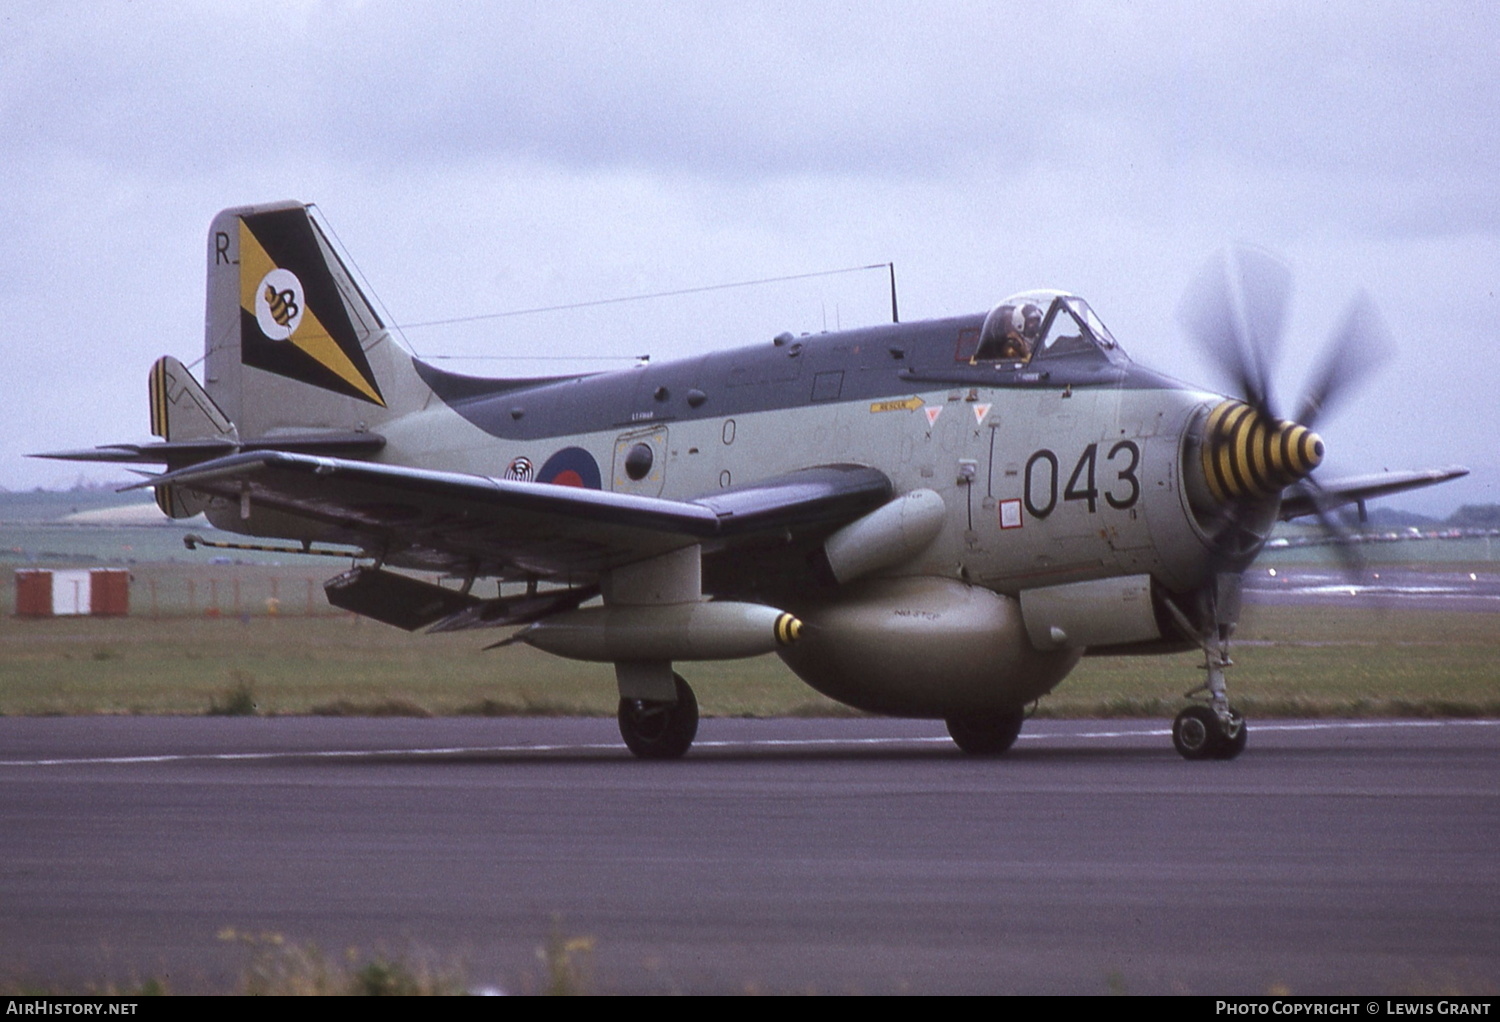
<point>988,735</point>
<point>654,730</point>
<point>1199,733</point>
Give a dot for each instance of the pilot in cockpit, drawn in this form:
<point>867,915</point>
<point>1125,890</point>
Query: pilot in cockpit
<point>1026,324</point>
<point>1043,324</point>
<point>1010,333</point>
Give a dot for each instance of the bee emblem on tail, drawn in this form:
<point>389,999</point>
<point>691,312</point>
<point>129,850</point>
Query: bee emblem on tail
<point>283,305</point>
<point>279,303</point>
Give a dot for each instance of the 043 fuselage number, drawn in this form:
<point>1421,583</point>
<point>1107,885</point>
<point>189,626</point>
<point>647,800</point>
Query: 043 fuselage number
<point>1122,491</point>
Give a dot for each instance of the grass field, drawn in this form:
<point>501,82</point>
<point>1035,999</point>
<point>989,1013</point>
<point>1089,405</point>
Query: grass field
<point>249,633</point>
<point>1300,661</point>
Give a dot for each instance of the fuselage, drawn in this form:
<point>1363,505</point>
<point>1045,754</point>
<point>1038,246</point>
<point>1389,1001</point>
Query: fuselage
<point>1058,470</point>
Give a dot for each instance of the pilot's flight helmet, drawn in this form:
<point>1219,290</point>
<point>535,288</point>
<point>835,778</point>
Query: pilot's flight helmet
<point>1027,320</point>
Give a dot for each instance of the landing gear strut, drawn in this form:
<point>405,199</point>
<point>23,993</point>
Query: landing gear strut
<point>1218,730</point>
<point>1215,731</point>
<point>657,730</point>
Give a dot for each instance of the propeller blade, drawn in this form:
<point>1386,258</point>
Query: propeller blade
<point>1236,311</point>
<point>1359,345</point>
<point>1265,289</point>
<point>1351,558</point>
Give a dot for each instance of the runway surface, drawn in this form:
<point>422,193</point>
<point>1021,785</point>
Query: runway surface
<point>1394,587</point>
<point>784,855</point>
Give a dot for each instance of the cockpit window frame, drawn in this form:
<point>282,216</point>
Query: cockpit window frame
<point>1096,337</point>
<point>1047,343</point>
<point>1091,321</point>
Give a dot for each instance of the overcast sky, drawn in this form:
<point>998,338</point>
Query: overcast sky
<point>482,158</point>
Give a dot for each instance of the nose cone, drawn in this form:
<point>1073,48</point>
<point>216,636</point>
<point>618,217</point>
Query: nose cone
<point>1247,456</point>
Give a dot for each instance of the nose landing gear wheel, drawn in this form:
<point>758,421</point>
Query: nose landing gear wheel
<point>1199,733</point>
<point>654,730</point>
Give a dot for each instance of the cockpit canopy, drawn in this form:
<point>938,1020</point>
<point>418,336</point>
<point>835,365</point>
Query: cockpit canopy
<point>1041,325</point>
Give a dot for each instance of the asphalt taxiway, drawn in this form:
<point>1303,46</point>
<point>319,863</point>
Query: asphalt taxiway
<point>782,855</point>
<point>1378,586</point>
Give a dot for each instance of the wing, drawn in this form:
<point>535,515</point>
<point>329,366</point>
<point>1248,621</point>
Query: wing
<point>476,525</point>
<point>1300,500</point>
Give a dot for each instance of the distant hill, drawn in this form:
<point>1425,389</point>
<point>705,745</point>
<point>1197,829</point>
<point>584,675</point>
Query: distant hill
<point>1476,516</point>
<point>1392,518</point>
<point>40,506</point>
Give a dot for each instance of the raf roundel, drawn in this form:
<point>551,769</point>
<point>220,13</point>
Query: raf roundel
<point>571,466</point>
<point>279,304</point>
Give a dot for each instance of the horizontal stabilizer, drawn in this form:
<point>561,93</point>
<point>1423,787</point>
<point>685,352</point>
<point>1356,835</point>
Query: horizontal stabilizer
<point>182,453</point>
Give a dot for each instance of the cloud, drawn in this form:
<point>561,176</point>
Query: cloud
<point>486,157</point>
<point>760,90</point>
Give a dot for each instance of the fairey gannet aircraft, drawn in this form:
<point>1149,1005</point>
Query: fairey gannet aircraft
<point>932,519</point>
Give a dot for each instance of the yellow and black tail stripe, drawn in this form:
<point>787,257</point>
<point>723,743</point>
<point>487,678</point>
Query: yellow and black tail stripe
<point>1248,456</point>
<point>159,399</point>
<point>788,629</point>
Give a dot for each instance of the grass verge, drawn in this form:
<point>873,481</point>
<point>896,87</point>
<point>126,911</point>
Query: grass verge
<point>1291,661</point>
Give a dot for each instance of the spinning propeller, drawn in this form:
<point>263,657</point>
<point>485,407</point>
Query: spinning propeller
<point>1236,310</point>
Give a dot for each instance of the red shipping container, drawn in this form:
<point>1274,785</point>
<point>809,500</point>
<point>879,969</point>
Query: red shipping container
<point>33,592</point>
<point>109,592</point>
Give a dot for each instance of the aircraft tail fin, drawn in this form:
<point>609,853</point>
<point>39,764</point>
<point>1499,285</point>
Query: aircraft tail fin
<point>180,408</point>
<point>292,343</point>
<point>182,411</point>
